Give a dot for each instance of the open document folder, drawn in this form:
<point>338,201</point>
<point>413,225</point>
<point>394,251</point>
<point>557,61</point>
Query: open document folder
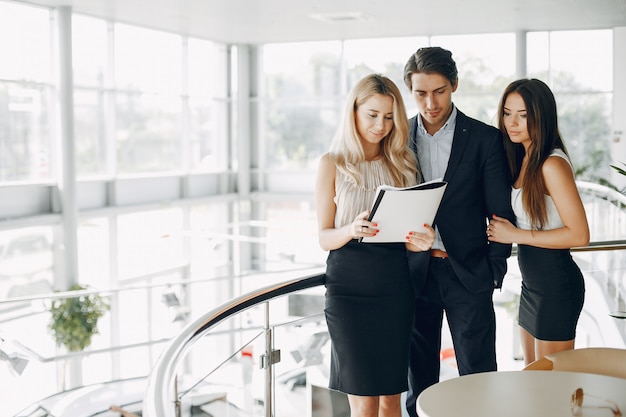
<point>398,211</point>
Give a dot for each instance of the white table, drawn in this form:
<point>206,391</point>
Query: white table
<point>518,394</point>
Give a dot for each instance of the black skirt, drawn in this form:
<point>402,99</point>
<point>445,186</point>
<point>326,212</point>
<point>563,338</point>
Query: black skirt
<point>553,293</point>
<point>369,311</point>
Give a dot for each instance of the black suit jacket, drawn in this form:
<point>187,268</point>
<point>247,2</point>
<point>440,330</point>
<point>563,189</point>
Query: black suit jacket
<point>479,185</point>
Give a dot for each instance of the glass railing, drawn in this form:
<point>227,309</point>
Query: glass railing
<point>283,326</point>
<point>258,354</point>
<point>266,352</point>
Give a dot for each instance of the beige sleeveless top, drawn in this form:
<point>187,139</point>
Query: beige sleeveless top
<point>352,199</point>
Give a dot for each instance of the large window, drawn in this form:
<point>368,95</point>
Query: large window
<point>303,94</point>
<point>26,262</point>
<point>583,87</point>
<point>92,79</point>
<point>206,105</point>
<point>145,101</point>
<point>149,241</point>
<point>148,102</point>
<point>385,56</point>
<point>26,123</point>
<point>486,64</point>
<point>302,101</point>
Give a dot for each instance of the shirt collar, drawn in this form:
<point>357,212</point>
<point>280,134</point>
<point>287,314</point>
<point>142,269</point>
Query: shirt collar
<point>449,124</point>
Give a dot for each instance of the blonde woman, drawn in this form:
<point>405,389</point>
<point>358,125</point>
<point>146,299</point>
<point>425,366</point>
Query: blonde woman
<point>369,297</point>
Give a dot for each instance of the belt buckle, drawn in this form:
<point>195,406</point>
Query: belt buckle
<point>438,254</point>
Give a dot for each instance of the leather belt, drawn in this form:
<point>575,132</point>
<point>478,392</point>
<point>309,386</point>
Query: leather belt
<point>436,253</point>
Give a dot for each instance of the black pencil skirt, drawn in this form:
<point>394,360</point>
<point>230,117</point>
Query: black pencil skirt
<point>553,293</point>
<point>369,311</point>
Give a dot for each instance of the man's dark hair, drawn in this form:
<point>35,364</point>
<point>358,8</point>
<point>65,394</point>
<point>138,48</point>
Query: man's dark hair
<point>431,60</point>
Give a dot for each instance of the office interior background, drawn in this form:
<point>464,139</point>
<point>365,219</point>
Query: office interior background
<point>170,147</point>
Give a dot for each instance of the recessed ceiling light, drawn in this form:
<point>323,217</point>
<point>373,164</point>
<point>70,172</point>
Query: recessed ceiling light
<point>342,17</point>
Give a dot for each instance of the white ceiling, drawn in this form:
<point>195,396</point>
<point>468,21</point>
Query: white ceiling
<point>265,21</point>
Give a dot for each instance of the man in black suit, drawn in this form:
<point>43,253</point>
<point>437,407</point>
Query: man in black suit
<point>459,274</point>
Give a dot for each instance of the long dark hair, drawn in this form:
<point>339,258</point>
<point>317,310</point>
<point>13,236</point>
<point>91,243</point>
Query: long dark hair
<point>543,129</point>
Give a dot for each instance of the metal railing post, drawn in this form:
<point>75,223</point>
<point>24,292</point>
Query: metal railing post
<point>269,343</point>
<point>177,403</point>
<point>269,358</point>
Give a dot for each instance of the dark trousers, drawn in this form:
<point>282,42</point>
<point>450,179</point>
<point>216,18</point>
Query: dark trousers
<point>472,325</point>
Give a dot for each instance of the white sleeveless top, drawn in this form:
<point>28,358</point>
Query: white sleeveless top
<point>553,219</point>
<point>351,199</point>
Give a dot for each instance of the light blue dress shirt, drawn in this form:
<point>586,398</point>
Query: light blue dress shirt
<point>433,152</point>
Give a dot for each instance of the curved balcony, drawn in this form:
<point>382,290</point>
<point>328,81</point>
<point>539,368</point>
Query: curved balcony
<point>266,352</point>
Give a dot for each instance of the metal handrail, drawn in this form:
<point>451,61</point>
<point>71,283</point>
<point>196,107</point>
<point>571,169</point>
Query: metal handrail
<point>157,401</point>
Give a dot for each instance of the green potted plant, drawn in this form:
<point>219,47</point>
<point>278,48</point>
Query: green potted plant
<point>75,320</point>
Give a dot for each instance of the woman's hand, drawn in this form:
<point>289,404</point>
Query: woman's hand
<point>361,227</point>
<point>501,230</point>
<point>420,241</point>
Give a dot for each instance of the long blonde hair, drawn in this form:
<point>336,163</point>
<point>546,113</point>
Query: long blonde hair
<point>346,150</point>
